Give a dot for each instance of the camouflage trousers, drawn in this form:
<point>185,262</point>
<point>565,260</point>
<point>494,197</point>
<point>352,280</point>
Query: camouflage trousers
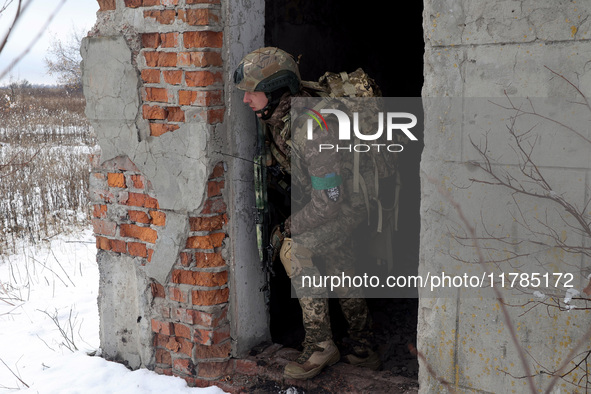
<point>332,245</point>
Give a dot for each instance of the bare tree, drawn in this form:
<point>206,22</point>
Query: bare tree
<point>63,60</point>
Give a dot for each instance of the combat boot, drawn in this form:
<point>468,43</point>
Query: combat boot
<point>361,354</point>
<point>313,360</point>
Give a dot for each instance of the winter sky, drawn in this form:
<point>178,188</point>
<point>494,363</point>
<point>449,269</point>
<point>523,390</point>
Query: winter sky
<point>73,15</point>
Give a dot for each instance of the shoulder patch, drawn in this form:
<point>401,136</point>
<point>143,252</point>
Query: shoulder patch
<point>333,193</point>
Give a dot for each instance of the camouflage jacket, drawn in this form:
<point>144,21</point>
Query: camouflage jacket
<point>318,175</point>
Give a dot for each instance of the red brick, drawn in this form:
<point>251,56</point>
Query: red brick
<point>173,77</point>
<point>156,94</point>
<point>150,253</point>
<point>169,40</point>
<point>169,2</point>
<point>214,188</point>
<point>180,345</point>
<point>107,5</point>
<point>103,243</point>
<point>118,246</point>
<point>175,114</point>
<point>211,116</point>
<point>187,97</point>
<point>139,217</point>
<point>163,357</point>
<point>209,297</point>
<point>205,319</point>
<point>99,211</point>
<point>137,249</point>
<point>151,202</point>
<point>184,365</point>
<point>145,234</point>
<point>133,3</point>
<point>199,59</point>
<point>136,199</point>
<point>151,76</point>
<point>214,369</point>
<point>186,259</point>
<point>203,98</point>
<point>151,40</point>
<point>205,260</point>
<point>157,129</point>
<point>202,78</point>
<point>160,340</point>
<point>151,3</point>
<point>203,1</point>
<point>214,205</point>
<point>164,17</point>
<point>208,223</point>
<point>218,170</point>
<point>154,112</point>
<point>151,58</point>
<point>202,16</point>
<point>158,218</point>
<point>157,290</point>
<point>176,294</point>
<point>246,367</point>
<point>162,327</point>
<point>116,180</point>
<point>180,330</point>
<point>203,39</point>
<point>206,241</point>
<point>204,352</point>
<point>104,227</point>
<point>163,371</point>
<point>138,181</point>
<point>198,278</point>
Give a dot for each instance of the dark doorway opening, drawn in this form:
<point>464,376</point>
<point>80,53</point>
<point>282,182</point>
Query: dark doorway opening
<point>340,35</point>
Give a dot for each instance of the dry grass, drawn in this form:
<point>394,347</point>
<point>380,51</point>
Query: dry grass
<point>44,144</point>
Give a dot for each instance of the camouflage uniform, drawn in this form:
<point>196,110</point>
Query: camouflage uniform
<point>322,222</point>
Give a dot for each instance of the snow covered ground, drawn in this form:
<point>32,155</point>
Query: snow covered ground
<point>49,322</point>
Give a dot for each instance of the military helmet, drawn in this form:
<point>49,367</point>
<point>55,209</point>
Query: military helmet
<point>266,70</point>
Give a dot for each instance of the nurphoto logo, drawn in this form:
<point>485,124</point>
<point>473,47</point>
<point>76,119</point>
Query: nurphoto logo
<point>390,122</point>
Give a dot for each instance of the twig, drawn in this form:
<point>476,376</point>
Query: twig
<point>12,372</point>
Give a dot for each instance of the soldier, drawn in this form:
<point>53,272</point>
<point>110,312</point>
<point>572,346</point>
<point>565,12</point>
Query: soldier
<point>321,224</point>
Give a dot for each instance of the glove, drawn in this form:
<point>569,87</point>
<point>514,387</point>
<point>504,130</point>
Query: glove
<point>277,237</point>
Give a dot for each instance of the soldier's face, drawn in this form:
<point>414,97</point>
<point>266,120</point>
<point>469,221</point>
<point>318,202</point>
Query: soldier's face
<point>255,100</point>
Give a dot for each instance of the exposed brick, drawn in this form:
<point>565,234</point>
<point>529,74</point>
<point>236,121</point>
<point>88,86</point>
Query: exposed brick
<point>184,365</point>
<point>180,345</point>
<point>176,294</point>
<point>202,16</point>
<point>173,77</point>
<point>214,188</point>
<point>169,40</point>
<point>118,246</point>
<point>211,116</point>
<point>158,218</point>
<point>141,200</point>
<point>163,357</point>
<point>206,241</point>
<point>204,319</point>
<point>99,211</point>
<point>173,345</point>
<point>116,180</point>
<point>150,253</point>
<point>163,371</point>
<point>151,75</point>
<point>137,249</point>
<point>205,260</point>
<point>151,40</point>
<point>164,17</point>
<point>151,58</point>
<point>156,94</point>
<point>150,3</point>
<point>214,205</point>
<point>198,278</point>
<point>162,327</point>
<point>154,112</point>
<point>203,98</point>
<point>157,290</point>
<point>200,59</point>
<point>204,352</point>
<point>186,259</point>
<point>160,340</point>
<point>107,5</point>
<point>175,114</point>
<point>167,59</point>
<point>169,2</point>
<point>133,3</point>
<point>218,171</point>
<point>202,78</point>
<point>104,227</point>
<point>203,1</point>
<point>208,223</point>
<point>214,369</point>
<point>103,243</point>
<point>157,129</point>
<point>246,367</point>
<point>145,234</point>
<point>138,181</point>
<point>180,330</point>
<point>209,297</point>
<point>139,216</point>
<point>203,39</point>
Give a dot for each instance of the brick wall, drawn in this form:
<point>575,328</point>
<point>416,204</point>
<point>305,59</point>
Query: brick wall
<point>180,68</point>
